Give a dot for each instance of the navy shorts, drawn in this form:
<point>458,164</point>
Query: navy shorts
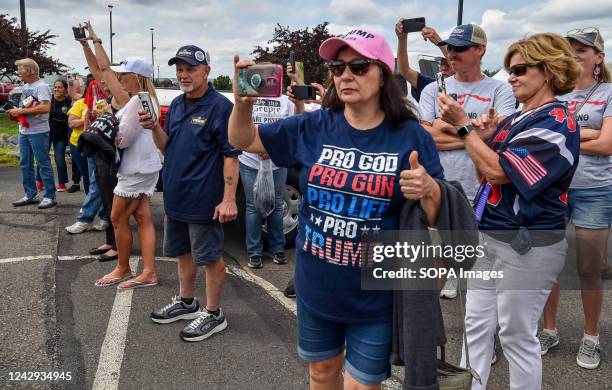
<point>203,240</point>
<point>368,345</point>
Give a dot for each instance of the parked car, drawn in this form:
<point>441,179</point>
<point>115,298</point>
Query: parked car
<point>292,197</point>
<point>5,90</point>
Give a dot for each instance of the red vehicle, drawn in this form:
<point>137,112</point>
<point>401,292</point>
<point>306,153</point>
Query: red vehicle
<point>5,90</point>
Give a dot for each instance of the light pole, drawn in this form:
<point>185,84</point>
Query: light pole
<point>460,13</point>
<point>24,29</point>
<point>152,55</point>
<point>110,12</point>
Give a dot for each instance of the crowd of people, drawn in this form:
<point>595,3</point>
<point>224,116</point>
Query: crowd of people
<point>530,154</point>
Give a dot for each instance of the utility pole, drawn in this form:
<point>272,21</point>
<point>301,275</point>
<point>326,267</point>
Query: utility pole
<point>460,13</point>
<point>110,12</point>
<point>152,55</point>
<point>24,30</point>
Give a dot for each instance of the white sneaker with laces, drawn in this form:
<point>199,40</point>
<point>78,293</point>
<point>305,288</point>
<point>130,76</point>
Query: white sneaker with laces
<point>78,227</point>
<point>450,288</point>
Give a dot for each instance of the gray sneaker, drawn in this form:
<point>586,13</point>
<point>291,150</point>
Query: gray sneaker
<point>204,326</point>
<point>177,310</point>
<point>547,341</point>
<point>589,355</point>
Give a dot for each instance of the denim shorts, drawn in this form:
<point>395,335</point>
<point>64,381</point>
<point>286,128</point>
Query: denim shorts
<point>591,208</point>
<point>203,240</point>
<point>368,345</point>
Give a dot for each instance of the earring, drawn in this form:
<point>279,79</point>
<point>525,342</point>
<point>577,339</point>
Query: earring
<point>597,71</point>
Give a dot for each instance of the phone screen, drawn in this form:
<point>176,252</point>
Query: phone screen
<point>304,92</point>
<point>264,80</point>
<point>79,32</point>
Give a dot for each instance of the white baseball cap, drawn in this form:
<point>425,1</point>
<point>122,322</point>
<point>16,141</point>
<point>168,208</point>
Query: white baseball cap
<point>136,65</point>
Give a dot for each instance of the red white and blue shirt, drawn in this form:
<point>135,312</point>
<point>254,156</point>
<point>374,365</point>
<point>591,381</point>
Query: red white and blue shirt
<point>538,150</point>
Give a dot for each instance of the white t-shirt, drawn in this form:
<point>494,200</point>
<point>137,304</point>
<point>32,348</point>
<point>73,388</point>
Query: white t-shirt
<point>38,123</point>
<point>593,171</point>
<point>142,156</point>
<point>476,99</point>
<point>267,110</point>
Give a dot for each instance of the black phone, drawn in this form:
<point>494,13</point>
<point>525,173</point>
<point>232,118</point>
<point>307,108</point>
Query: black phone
<point>413,25</point>
<point>79,32</point>
<point>304,92</point>
<point>292,60</point>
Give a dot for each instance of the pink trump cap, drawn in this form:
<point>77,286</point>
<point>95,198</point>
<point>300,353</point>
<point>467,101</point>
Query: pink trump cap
<point>367,43</point>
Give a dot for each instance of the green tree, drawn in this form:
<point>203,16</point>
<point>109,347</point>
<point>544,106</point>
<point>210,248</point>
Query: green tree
<point>12,48</point>
<point>490,73</point>
<point>304,43</point>
<point>222,83</point>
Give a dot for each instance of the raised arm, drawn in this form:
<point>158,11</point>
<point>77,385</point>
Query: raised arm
<point>403,64</point>
<point>104,64</point>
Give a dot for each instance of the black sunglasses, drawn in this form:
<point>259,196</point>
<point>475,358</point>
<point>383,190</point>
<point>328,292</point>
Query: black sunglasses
<point>459,49</point>
<point>357,67</point>
<point>520,69</point>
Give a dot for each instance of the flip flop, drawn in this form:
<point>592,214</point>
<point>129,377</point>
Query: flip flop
<point>112,281</point>
<point>132,284</point>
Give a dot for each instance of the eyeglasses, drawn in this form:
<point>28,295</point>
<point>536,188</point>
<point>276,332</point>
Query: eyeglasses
<point>358,67</point>
<point>459,49</point>
<point>520,69</point>
<point>588,30</point>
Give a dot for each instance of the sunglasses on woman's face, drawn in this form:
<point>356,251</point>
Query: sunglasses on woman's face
<point>587,30</point>
<point>520,69</point>
<point>459,49</point>
<point>357,67</point>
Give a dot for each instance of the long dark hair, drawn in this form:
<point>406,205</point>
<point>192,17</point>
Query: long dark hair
<point>396,107</point>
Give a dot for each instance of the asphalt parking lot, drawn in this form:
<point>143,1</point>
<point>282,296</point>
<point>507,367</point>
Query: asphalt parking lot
<point>53,319</point>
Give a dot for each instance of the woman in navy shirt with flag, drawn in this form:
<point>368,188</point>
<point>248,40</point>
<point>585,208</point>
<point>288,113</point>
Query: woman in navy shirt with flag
<point>521,207</point>
<point>358,160</point>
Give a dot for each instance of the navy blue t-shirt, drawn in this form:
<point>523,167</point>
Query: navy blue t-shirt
<point>349,180</point>
<point>422,82</point>
<point>538,150</point>
<point>193,164</point>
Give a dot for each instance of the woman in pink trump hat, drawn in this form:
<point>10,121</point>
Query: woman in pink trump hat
<point>366,133</point>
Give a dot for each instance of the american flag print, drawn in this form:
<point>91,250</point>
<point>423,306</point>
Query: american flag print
<point>527,166</point>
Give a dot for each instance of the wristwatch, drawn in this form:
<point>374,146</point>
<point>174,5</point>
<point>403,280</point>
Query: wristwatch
<point>464,131</point>
<point>97,40</point>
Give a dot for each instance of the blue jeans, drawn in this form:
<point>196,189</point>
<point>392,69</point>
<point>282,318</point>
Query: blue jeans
<point>35,147</point>
<point>93,200</point>
<point>253,218</point>
<point>81,162</point>
<point>59,153</point>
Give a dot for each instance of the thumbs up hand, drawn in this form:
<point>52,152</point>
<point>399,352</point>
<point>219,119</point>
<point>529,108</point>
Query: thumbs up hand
<point>415,183</point>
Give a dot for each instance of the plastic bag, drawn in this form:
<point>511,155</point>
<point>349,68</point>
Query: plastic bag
<point>263,189</point>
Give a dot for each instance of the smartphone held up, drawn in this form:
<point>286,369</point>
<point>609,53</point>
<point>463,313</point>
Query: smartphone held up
<point>264,80</point>
<point>304,92</point>
<point>413,25</point>
<point>79,33</point>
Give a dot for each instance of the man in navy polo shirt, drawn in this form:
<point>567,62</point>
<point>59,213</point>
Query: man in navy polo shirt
<point>200,171</point>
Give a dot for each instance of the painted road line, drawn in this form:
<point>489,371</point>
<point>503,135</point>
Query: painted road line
<point>113,347</point>
<point>25,258</point>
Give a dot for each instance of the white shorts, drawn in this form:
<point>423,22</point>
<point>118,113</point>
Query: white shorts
<point>133,186</point>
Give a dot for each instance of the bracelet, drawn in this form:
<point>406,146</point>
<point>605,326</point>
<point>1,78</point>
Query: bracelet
<point>98,40</point>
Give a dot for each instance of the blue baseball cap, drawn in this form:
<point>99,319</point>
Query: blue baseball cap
<point>466,35</point>
<point>192,55</point>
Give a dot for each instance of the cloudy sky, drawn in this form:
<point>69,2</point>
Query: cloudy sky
<point>227,27</point>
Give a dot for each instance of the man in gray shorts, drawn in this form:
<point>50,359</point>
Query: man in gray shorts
<point>200,172</point>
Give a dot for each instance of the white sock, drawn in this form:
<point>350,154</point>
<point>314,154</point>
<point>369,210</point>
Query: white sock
<point>552,332</point>
<point>594,339</point>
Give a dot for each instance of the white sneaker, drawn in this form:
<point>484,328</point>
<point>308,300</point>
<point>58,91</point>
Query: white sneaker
<point>450,289</point>
<point>101,225</point>
<point>78,227</point>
